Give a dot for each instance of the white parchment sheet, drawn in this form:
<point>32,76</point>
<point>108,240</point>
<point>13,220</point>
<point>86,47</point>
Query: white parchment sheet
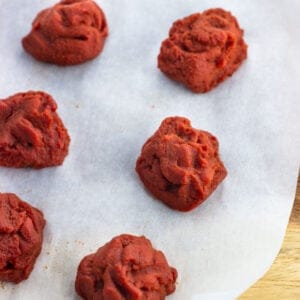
<point>112,104</point>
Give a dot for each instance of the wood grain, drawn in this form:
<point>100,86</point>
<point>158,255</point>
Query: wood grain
<point>282,281</point>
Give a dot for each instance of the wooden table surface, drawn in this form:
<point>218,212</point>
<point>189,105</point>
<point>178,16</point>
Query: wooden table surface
<point>282,281</point>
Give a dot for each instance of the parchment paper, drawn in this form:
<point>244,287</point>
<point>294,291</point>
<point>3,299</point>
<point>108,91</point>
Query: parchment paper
<point>112,104</point>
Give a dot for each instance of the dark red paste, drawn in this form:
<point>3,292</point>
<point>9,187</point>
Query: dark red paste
<point>71,32</point>
<point>202,50</point>
<point>21,237</point>
<point>31,132</point>
<point>180,165</point>
<point>127,267</point>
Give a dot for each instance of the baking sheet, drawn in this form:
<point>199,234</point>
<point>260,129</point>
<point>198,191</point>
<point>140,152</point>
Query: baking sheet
<point>114,103</point>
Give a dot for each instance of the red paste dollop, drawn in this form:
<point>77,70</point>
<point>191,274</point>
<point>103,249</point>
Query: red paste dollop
<point>21,237</point>
<point>180,165</point>
<point>31,132</point>
<point>71,32</point>
<point>127,267</point>
<point>203,49</point>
